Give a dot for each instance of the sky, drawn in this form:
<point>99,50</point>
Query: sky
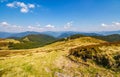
<point>59,15</point>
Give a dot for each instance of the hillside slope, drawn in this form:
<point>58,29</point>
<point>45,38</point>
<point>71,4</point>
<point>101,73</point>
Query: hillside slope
<point>33,41</point>
<point>4,43</point>
<point>108,38</point>
<point>103,54</point>
<point>53,61</point>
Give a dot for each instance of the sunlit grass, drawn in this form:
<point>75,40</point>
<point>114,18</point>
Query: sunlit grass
<point>51,61</point>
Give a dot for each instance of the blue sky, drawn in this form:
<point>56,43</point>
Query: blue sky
<point>59,15</point>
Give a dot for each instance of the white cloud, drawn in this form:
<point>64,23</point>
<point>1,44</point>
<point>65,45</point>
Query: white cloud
<point>31,5</point>
<point>112,26</point>
<point>21,4</point>
<point>104,25</point>
<point>24,8</point>
<point>4,24</point>
<point>15,26</point>
<point>32,27</point>
<point>50,26</point>
<point>10,5</point>
<point>68,25</point>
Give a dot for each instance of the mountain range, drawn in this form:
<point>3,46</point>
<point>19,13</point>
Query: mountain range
<point>57,34</point>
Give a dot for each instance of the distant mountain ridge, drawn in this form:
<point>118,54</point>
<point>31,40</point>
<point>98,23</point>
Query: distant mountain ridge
<point>108,32</point>
<point>57,34</point>
<point>23,34</point>
<point>108,38</point>
<point>67,34</point>
<point>5,34</point>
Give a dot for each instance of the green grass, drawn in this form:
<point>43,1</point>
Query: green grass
<point>32,41</point>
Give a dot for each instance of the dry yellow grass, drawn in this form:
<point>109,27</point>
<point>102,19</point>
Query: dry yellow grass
<point>9,40</point>
<point>4,43</point>
<point>50,61</point>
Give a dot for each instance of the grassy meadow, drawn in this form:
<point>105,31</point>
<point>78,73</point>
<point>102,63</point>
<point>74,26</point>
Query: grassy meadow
<point>53,61</point>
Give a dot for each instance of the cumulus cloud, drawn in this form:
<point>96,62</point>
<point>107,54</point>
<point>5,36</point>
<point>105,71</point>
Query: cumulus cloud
<point>50,26</point>
<point>5,26</point>
<point>112,26</point>
<point>4,23</point>
<point>24,8</point>
<point>104,25</point>
<point>31,5</point>
<point>68,25</point>
<point>35,28</point>
<point>15,26</point>
<point>39,28</point>
<point>11,5</point>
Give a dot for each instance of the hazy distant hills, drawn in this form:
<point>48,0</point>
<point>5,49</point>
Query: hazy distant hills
<point>5,34</point>
<point>59,34</point>
<point>67,34</point>
<point>63,34</point>
<point>108,32</point>
<point>22,34</point>
<point>52,33</point>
